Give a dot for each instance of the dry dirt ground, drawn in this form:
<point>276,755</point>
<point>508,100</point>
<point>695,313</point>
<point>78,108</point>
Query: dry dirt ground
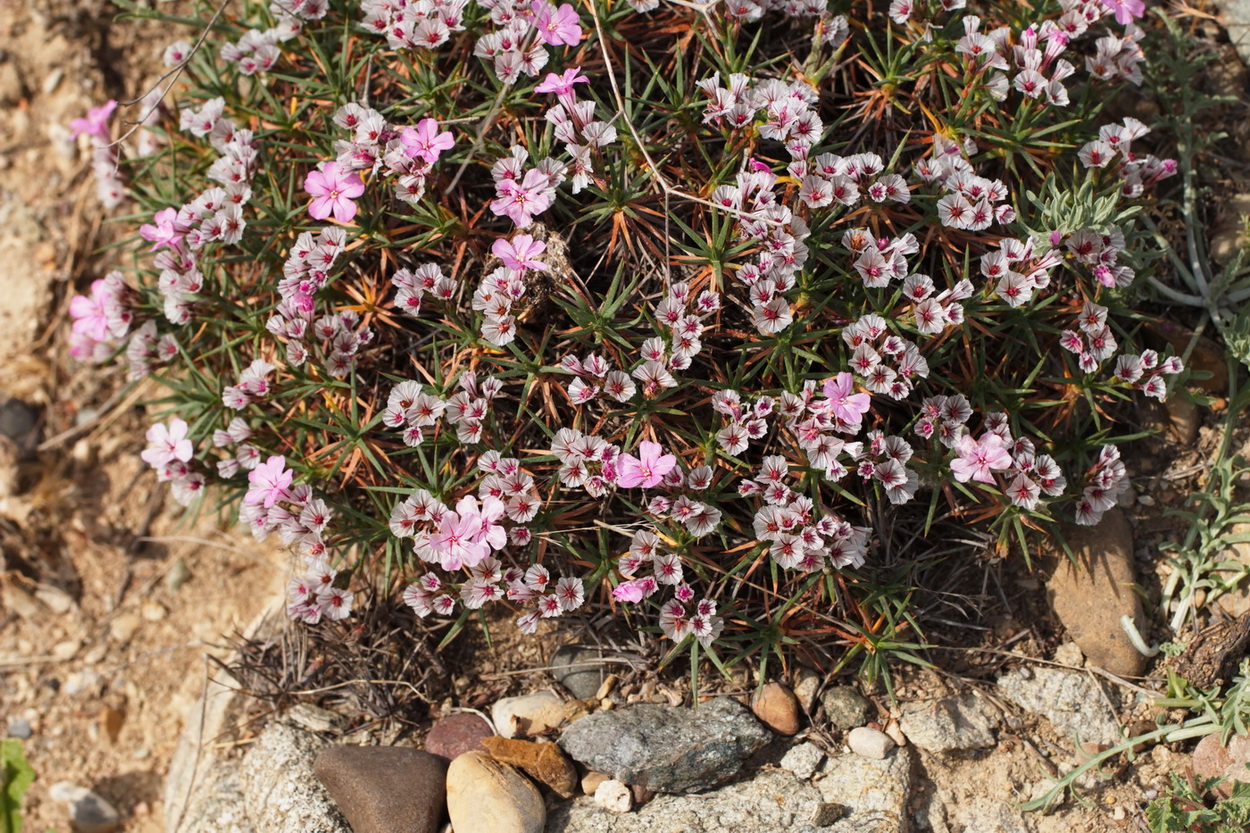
<point>111,605</point>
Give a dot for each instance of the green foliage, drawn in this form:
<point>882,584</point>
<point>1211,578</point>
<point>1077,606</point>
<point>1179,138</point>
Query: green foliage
<point>16,776</point>
<point>1192,807</point>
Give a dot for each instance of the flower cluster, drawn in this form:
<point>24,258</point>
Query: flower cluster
<point>109,187</point>
<point>1018,268</point>
<point>414,24</point>
<point>1137,172</point>
<point>169,451</point>
<point>246,456</point>
<point>1145,372</point>
<point>522,194</point>
<point>101,320</point>
<point>745,422</point>
<point>257,51</point>
<point>523,30</point>
<point>339,335</point>
<point>253,385</point>
<point>586,461</point>
<point>583,136</point>
<point>1093,342</point>
<point>800,535</point>
<point>593,375</point>
<point>506,285</point>
<point>1104,482</point>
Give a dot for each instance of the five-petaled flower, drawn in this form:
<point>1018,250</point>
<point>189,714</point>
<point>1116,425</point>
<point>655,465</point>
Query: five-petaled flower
<point>645,470</point>
<point>425,141</point>
<point>1126,10</point>
<point>270,481</point>
<point>519,253</point>
<point>978,459</point>
<point>333,190</point>
<point>847,407</point>
<point>95,124</point>
<point>556,25</point>
<point>167,443</point>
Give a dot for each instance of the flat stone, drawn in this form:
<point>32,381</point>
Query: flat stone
<point>452,736</point>
<point>778,709</point>
<point>89,813</point>
<point>668,748</point>
<point>1212,759</point>
<point>20,728</point>
<point>1090,596</point>
<point>770,802</point>
<point>544,762</point>
<point>483,794</point>
<point>580,670</point>
<point>802,761</point>
<point>870,743</point>
<point>528,715</point>
<point>952,724</point>
<point>1070,700</point>
<point>844,707</point>
<point>874,792</point>
<point>281,792</point>
<point>385,789</point>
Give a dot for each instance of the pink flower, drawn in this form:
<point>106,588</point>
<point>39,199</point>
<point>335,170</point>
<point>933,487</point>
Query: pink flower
<point>647,469</point>
<point>1126,10</point>
<point>556,26</point>
<point>333,190</point>
<point>457,541</point>
<point>847,407</point>
<point>91,314</point>
<point>167,443</point>
<point>166,232</point>
<point>520,201</point>
<point>979,458</point>
<point>95,124</point>
<point>562,84</point>
<point>425,140</point>
<point>518,253</point>
<point>269,482</point>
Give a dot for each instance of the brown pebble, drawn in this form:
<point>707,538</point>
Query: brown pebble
<point>778,709</point>
<point>544,762</point>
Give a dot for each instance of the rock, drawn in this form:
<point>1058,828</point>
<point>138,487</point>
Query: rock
<point>111,721</point>
<point>1183,418</point>
<point>1206,357</point>
<point>178,575</point>
<point>844,707</point>
<point>67,649</point>
<point>874,792</point>
<point>81,682</point>
<point>777,708</point>
<point>281,792</point>
<point>667,748</point>
<point>1070,700</point>
<point>385,789</point>
<point>20,423</point>
<point>314,718</point>
<point>527,715</point>
<point>591,781</point>
<point>770,802</point>
<point>1214,760</point>
<point>20,728</point>
<point>1069,654</point>
<point>544,762</point>
<point>952,724</point>
<point>869,743</point>
<point>124,626</point>
<point>802,760</point>
<point>483,794</point>
<point>89,813</point>
<point>806,684</point>
<point>580,670</point>
<point>153,611</point>
<point>614,796</point>
<point>456,734</point>
<point>1090,597</point>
